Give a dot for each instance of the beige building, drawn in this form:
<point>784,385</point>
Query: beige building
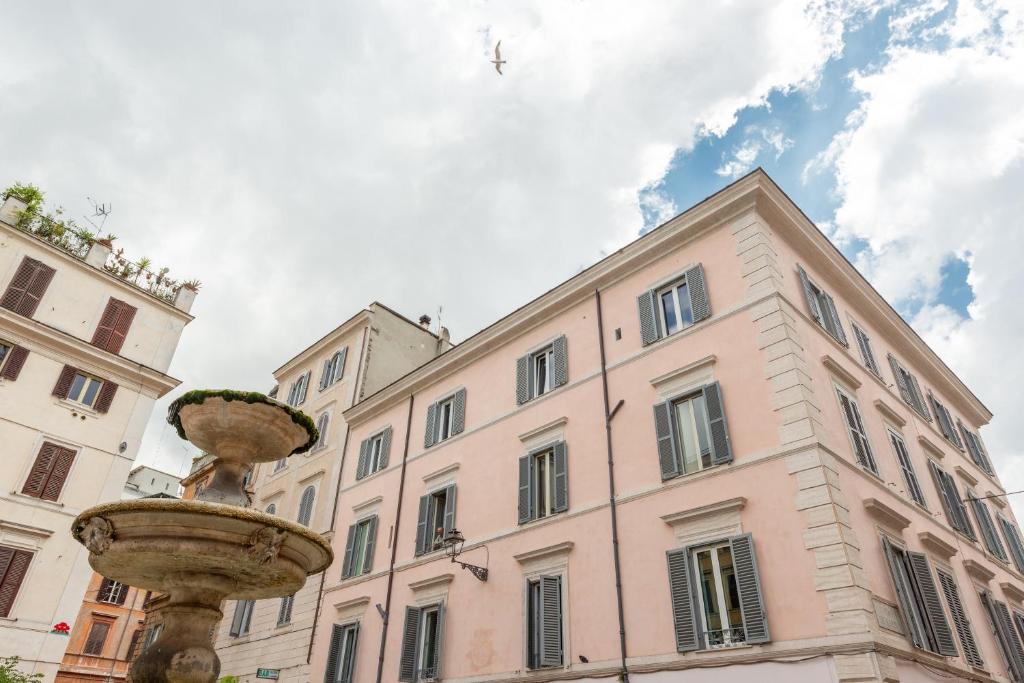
<point>85,341</point>
<point>361,356</point>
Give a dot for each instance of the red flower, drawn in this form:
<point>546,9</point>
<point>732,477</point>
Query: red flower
<point>62,627</point>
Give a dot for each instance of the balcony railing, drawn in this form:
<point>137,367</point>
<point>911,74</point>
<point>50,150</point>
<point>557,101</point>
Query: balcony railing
<point>726,637</point>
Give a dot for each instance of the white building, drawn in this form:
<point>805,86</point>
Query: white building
<point>145,481</point>
<point>84,352</point>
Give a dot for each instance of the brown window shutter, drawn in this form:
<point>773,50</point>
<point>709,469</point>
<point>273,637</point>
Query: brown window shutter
<point>15,361</point>
<point>106,397</point>
<point>13,565</point>
<point>63,386</point>
<point>114,324</point>
<point>28,286</point>
<point>58,474</point>
<point>97,637</point>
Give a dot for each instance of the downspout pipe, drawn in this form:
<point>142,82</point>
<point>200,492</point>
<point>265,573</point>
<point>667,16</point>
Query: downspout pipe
<point>394,547</point>
<point>609,413</point>
<point>337,495</point>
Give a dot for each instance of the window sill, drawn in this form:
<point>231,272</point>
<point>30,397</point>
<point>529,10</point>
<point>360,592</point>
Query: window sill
<point>683,475</point>
<point>56,504</point>
<point>536,520</point>
<point>76,409</point>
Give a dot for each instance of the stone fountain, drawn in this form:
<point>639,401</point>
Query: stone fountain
<point>201,552</point>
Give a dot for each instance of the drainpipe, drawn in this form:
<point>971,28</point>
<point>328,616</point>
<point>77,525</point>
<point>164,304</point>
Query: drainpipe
<point>337,495</point>
<point>609,413</point>
<point>394,548</point>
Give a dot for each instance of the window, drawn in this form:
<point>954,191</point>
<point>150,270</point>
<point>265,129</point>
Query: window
<point>12,359</point>
<point>909,476</point>
<point>543,482</point>
<point>544,622</point>
<point>306,505</point>
<point>975,448</point>
<point>822,308</point>
<point>857,431</point>
<point>271,509</point>
<point>945,422</point>
<point>280,464</point>
<point>716,595</point>
<point>246,480</point>
<point>341,658</point>
<point>113,327</point>
<point>918,598</point>
<point>445,418</point>
<point>1013,539</point>
<point>866,353</point>
<point>321,429</point>
<point>27,287</point>
<point>112,591</point>
<point>691,432</point>
<point>152,634</point>
<point>13,566</point>
<point>436,519</point>
<point>961,623</point>
<point>373,454</point>
<point>674,306</point>
<point>1006,635</point>
<point>988,529</point>
<point>84,389</point>
<point>243,616</point>
<point>49,472</point>
<point>284,612</point>
<point>334,368</point>
<point>359,548</point>
<point>539,372</point>
<point>952,504</point>
<point>96,639</point>
<point>297,393</point>
<point>421,643</point>
<point>909,389</point>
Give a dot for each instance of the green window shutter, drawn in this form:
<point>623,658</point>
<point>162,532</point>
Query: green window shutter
<point>1007,635</point>
<point>371,541</point>
<point>901,382</point>
<point>748,582</point>
<point>459,412</point>
<point>561,478</point>
<point>439,641</point>
<point>650,329</point>
<point>664,430</point>
<point>855,426</point>
<point>364,459</point>
<point>385,448</point>
<point>422,533</point>
<point>449,509</point>
<point>922,574</point>
<point>348,665</point>
<point>340,371</point>
<point>238,618</point>
<point>960,621</point>
<point>721,447</point>
<point>550,621</point>
<point>696,286</point>
<point>559,361</point>
<point>812,299</point>
<point>905,596</point>
<point>523,393</point>
<point>334,654</point>
<point>325,373</point>
<point>919,402</point>
<point>938,476</point>
<point>1014,541</point>
<point>682,592</point>
<point>525,488</point>
<point>346,566</point>
<point>866,354</point>
<point>836,326</point>
<point>431,428</point>
<point>988,529</point>
<point>410,644</point>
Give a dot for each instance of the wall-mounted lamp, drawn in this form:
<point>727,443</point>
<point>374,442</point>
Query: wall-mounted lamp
<point>453,544</point>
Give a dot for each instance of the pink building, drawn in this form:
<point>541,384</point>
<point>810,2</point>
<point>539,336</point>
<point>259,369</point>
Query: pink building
<point>799,493</point>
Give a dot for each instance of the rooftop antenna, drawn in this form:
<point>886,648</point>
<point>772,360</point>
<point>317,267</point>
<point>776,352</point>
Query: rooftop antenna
<point>100,211</point>
<point>439,309</point>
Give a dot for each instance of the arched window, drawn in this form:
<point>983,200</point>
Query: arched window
<point>321,427</point>
<point>271,509</point>
<point>306,505</point>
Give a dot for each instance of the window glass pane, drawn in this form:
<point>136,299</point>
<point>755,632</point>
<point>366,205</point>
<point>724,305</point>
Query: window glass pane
<point>685,312</point>
<point>709,597</point>
<point>700,417</point>
<point>76,387</point>
<point>668,307</point>
<point>731,594</point>
<point>437,528</point>
<point>429,642</point>
<point>90,392</point>
<point>359,548</point>
<point>541,362</point>
<point>688,441</point>
<point>446,420</point>
<point>4,349</point>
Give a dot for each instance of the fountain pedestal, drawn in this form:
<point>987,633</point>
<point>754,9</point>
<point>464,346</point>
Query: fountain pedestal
<point>201,552</point>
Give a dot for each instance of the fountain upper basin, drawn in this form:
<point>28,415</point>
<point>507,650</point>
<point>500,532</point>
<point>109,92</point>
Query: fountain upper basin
<point>155,544</point>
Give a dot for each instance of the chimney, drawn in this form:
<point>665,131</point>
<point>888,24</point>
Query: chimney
<point>443,340</point>
<point>425,321</point>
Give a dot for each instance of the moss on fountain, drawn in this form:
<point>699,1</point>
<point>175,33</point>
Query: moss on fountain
<point>198,396</point>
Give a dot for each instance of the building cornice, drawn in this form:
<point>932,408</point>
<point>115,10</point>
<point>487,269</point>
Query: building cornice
<point>355,322</point>
<point>83,354</point>
<point>81,265</point>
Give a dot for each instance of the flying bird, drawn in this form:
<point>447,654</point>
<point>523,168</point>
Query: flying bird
<point>498,61</point>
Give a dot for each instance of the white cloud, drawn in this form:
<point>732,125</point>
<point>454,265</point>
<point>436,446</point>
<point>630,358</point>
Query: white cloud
<point>303,163</point>
<point>932,166</point>
<point>758,139</point>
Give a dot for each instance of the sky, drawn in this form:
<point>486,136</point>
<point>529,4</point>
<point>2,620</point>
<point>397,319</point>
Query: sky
<point>304,163</point>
